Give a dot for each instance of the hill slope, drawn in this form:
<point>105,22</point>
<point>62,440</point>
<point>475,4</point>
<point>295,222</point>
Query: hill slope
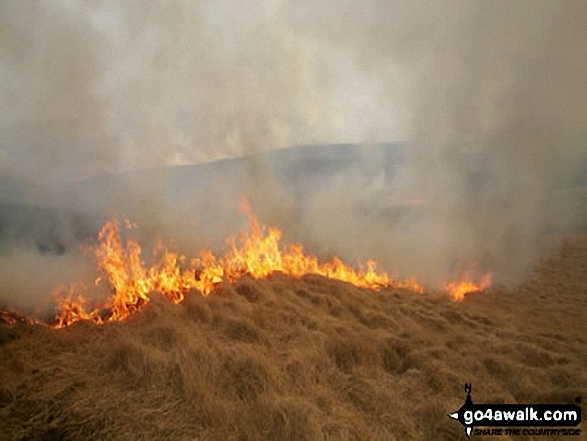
<point>307,358</point>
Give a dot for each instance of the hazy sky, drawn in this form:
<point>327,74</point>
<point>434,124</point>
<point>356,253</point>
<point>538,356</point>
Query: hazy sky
<point>100,86</point>
<point>105,85</point>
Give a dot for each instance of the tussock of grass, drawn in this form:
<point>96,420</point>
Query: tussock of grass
<point>289,359</point>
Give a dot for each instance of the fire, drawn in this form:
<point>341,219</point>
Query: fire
<point>458,290</point>
<point>11,316</point>
<point>256,252</point>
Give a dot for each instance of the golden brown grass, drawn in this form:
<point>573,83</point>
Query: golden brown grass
<point>309,359</point>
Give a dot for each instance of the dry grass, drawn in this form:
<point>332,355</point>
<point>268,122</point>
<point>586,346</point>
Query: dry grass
<point>310,359</point>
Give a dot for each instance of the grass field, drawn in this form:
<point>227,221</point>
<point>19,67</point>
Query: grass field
<point>301,359</point>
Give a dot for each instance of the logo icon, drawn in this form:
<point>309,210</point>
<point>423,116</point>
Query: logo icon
<point>472,415</point>
<point>468,406</point>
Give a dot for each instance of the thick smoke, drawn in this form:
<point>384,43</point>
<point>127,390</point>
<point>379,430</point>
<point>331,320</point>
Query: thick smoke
<point>103,86</point>
<point>494,94</point>
<point>491,95</point>
<point>30,278</point>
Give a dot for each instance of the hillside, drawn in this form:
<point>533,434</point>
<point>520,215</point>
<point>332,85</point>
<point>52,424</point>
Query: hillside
<point>295,359</point>
<point>185,198</point>
<point>307,190</point>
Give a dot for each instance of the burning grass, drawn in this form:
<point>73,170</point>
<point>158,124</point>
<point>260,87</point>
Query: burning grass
<point>256,253</point>
<point>298,358</point>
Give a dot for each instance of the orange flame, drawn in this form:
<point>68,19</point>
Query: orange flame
<point>458,290</point>
<point>11,316</point>
<point>257,253</point>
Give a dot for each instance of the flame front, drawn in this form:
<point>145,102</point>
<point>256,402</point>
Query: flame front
<point>256,252</point>
<point>11,316</point>
<point>458,290</point>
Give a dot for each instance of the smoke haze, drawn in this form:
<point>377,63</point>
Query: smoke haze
<point>490,95</point>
